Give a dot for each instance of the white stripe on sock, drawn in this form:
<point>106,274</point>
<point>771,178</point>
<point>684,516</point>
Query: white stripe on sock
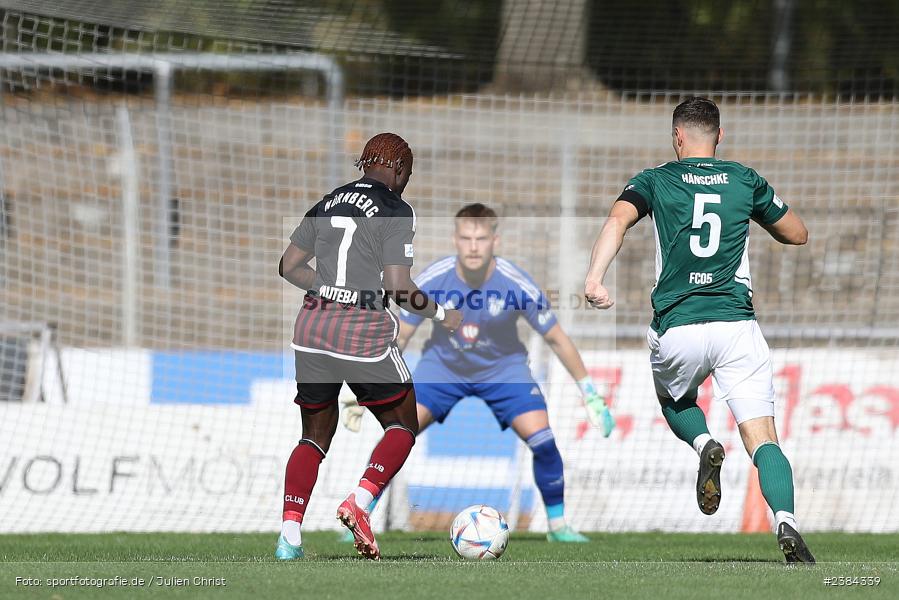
<point>363,497</point>
<point>700,441</point>
<point>783,516</point>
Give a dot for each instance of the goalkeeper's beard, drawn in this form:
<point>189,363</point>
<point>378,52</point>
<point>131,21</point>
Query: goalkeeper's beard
<point>475,276</point>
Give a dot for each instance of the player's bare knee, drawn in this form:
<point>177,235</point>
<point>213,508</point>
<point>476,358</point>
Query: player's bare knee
<point>757,432</point>
<point>407,419</point>
<point>320,426</point>
<point>398,417</point>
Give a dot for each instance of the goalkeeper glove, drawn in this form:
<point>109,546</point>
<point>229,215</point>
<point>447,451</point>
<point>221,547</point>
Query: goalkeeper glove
<point>351,413</point>
<point>595,403</point>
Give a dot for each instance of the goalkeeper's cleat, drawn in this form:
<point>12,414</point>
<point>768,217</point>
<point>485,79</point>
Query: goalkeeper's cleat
<point>708,483</point>
<point>566,535</point>
<point>793,546</point>
<point>287,551</point>
<point>356,520</point>
<point>598,413</point>
<point>346,537</point>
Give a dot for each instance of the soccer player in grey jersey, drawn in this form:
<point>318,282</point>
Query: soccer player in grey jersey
<point>360,236</point>
<point>703,320</point>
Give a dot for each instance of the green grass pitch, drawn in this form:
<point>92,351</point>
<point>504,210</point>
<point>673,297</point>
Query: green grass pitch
<point>419,566</point>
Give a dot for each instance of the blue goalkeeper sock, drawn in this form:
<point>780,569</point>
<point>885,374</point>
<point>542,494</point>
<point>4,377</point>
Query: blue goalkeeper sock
<point>548,475</point>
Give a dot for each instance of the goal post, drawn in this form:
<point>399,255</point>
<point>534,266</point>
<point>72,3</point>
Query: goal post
<point>30,363</point>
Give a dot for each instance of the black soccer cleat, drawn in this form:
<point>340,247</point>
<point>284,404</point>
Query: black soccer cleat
<point>708,483</point>
<point>793,546</point>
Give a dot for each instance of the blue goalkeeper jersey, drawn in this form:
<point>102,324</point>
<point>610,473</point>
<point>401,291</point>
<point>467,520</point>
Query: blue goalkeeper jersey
<point>488,339</point>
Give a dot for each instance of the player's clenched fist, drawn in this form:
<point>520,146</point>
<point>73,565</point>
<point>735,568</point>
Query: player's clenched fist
<point>597,295</point>
<point>452,319</point>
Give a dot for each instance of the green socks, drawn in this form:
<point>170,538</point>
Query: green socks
<point>775,477</point>
<point>686,420</point>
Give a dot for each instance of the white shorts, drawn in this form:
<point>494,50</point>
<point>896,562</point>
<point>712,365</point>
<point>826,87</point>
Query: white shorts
<point>734,353</point>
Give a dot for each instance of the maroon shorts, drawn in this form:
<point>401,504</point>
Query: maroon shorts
<point>320,377</point>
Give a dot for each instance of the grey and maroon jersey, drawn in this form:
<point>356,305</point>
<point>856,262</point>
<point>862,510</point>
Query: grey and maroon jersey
<point>353,232</point>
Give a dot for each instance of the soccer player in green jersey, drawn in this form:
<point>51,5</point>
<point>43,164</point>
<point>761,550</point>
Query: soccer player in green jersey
<point>703,321</point>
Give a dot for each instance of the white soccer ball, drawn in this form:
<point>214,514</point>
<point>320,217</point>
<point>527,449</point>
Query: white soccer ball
<point>479,533</point>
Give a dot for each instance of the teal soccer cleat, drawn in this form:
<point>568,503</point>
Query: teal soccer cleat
<point>286,551</point>
<point>567,535</point>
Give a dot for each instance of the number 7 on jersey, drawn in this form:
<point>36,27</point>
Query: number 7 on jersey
<point>349,228</point>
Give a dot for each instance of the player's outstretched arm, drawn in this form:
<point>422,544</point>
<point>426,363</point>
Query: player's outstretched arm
<point>399,286</point>
<point>294,267</point>
<point>622,217</point>
<point>562,346</point>
<point>594,402</point>
<point>789,229</point>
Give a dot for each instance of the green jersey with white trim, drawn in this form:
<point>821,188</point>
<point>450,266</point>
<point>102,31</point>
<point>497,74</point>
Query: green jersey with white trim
<point>701,208</point>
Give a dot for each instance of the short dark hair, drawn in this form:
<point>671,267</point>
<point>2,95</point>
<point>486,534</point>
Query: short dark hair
<point>478,213</point>
<point>698,112</point>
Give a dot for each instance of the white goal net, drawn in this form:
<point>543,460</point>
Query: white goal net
<point>152,165</point>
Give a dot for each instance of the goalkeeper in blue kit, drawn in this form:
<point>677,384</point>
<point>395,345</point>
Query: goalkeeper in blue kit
<point>485,357</point>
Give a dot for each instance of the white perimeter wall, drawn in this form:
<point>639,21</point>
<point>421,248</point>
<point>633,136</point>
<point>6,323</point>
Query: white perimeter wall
<point>111,460</point>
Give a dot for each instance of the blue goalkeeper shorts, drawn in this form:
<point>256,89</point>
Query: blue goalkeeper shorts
<point>508,392</point>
